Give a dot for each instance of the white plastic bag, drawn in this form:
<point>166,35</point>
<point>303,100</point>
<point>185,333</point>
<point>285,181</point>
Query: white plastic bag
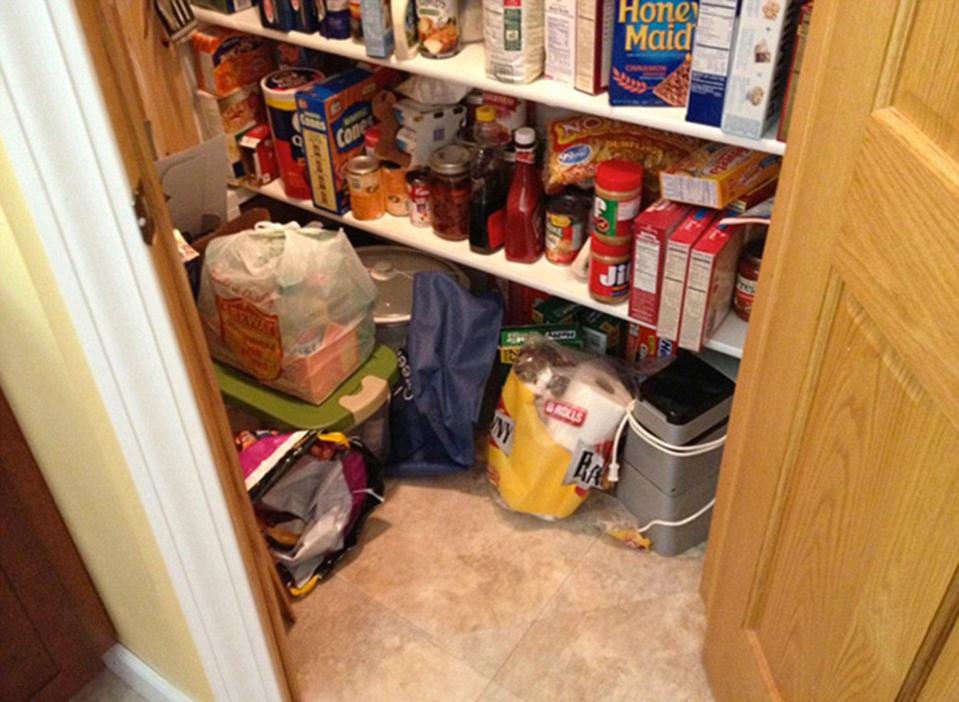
<point>291,306</point>
<point>432,91</point>
<point>513,36</point>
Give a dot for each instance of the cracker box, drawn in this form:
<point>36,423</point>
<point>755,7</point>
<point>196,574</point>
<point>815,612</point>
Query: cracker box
<point>333,117</point>
<point>555,310</point>
<point>227,60</point>
<point>717,174</point>
<point>643,343</point>
<point>652,45</point>
<point>675,268</point>
<point>709,284</point>
<point>760,66</point>
<point>602,333</point>
<point>594,44</point>
<point>228,6</point>
<point>652,230</point>
<point>711,53</point>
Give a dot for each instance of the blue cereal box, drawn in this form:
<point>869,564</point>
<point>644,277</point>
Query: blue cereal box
<point>652,45</point>
<point>333,117</point>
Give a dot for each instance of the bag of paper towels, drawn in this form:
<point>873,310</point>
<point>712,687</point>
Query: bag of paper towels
<point>553,429</point>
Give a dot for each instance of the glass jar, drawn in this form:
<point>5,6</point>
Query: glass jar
<point>450,192</point>
<point>747,277</point>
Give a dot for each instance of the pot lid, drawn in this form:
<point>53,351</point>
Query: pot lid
<point>392,269</point>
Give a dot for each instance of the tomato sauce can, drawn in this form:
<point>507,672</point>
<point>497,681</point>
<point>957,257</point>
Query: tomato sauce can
<point>418,187</point>
<point>366,191</point>
<point>565,228</point>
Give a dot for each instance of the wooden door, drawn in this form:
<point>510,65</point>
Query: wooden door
<point>832,571</point>
<point>53,628</point>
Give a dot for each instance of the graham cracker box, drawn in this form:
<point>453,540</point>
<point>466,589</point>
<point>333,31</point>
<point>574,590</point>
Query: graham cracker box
<point>227,60</point>
<point>760,66</point>
<point>594,44</point>
<point>709,284</point>
<point>333,116</point>
<point>717,174</point>
<point>652,229</point>
<point>676,267</point>
<point>560,40</point>
<point>652,45</point>
<point>711,53</point>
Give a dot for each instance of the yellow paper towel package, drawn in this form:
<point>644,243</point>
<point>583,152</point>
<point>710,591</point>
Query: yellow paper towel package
<point>553,429</point>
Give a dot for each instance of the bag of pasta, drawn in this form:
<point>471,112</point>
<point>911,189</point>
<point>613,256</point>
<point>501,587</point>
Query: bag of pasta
<point>553,429</point>
<point>291,306</point>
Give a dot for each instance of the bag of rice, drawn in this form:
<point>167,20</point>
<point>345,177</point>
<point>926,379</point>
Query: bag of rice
<point>513,34</point>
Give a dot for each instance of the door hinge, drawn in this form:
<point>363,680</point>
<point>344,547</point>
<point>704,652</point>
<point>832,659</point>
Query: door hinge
<point>144,220</point>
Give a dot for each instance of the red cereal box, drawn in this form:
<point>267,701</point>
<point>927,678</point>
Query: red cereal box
<point>652,229</point>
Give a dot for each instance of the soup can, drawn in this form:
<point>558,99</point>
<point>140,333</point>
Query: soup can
<point>418,187</point>
<point>394,186</point>
<point>366,190</point>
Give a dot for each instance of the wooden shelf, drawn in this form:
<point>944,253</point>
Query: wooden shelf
<point>542,275</point>
<point>468,68</point>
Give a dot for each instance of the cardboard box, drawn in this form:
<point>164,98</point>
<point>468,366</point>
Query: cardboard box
<point>333,117</point>
<point>795,68</point>
<point>258,157</point>
<point>675,269</point>
<point>709,284</point>
<point>652,229</point>
<point>602,333</point>
<point>652,42</point>
<point>560,40</point>
<point>712,49</point>
<point>555,310</point>
<point>512,339</point>
<point>228,6</point>
<point>227,60</point>
<point>643,343</point>
<point>594,45</point>
<point>425,128</point>
<point>760,66</point>
<point>377,22</point>
<point>717,174</point>
<point>231,114</point>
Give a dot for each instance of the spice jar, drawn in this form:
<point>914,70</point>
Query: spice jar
<point>747,276</point>
<point>619,186</point>
<point>450,192</point>
<point>418,187</point>
<point>366,192</point>
<point>393,178</point>
<point>609,270</point>
<point>565,228</point>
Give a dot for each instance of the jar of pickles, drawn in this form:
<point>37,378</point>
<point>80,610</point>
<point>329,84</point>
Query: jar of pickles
<point>450,192</point>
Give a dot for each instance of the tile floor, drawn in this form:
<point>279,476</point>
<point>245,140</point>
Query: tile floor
<point>451,597</point>
<point>107,687</point>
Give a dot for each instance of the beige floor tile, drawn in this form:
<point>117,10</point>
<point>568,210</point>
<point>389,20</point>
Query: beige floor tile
<point>498,693</point>
<point>107,687</point>
<point>647,651</point>
<point>347,647</point>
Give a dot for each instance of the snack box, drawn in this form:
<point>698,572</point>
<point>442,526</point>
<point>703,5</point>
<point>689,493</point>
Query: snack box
<point>652,42</point>
<point>231,114</point>
<point>227,60</point>
<point>257,155</point>
<point>602,333</point>
<point>333,116</point>
<point>712,49</point>
<point>594,44</point>
<point>795,68</point>
<point>709,284</point>
<point>652,230</point>
<point>717,174</point>
<point>555,310</point>
<point>560,40</point>
<point>227,6</point>
<point>675,268</point>
<point>512,339</point>
<point>377,23</point>
<point>643,343</point>
<point>760,66</point>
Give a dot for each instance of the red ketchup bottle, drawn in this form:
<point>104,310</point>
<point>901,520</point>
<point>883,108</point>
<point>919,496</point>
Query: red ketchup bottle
<point>525,218</point>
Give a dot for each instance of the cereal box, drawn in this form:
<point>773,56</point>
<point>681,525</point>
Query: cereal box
<point>675,269</point>
<point>652,45</point>
<point>227,60</point>
<point>333,117</point>
<point>760,65</point>
<point>652,230</point>
<point>717,174</point>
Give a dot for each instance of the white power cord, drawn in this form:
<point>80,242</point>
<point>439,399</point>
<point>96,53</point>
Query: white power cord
<point>664,447</point>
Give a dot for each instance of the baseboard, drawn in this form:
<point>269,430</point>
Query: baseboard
<point>127,666</point>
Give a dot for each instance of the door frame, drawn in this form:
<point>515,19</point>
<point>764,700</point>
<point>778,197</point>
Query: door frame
<point>56,129</point>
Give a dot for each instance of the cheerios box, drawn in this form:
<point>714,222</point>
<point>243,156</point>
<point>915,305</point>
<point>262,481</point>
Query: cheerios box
<point>652,48</point>
<point>333,116</point>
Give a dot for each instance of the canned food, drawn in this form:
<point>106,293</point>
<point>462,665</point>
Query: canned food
<point>565,228</point>
<point>366,192</point>
<point>418,187</point>
<point>438,28</point>
<point>394,186</point>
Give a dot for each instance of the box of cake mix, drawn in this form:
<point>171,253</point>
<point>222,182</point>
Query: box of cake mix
<point>652,46</point>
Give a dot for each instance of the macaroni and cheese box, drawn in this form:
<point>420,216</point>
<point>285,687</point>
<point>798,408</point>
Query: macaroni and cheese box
<point>652,230</point>
<point>227,60</point>
<point>676,268</point>
<point>717,174</point>
<point>333,117</point>
<point>652,44</point>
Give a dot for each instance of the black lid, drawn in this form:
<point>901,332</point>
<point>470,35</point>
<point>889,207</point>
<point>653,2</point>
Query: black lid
<point>686,388</point>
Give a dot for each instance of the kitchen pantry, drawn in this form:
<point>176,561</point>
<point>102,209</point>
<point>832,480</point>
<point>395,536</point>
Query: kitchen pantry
<point>473,281</point>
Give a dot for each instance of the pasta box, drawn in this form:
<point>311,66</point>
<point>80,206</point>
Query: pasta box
<point>333,117</point>
<point>652,45</point>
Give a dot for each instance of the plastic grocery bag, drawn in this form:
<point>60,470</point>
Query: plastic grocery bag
<point>553,429</point>
<point>291,306</point>
<point>450,351</point>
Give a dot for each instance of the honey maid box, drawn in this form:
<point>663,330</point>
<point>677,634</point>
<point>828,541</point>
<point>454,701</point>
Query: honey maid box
<point>333,116</point>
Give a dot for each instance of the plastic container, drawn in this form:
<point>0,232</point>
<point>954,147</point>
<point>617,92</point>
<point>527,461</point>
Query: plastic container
<point>609,272</point>
<point>279,92</point>
<point>525,219</point>
<point>489,184</point>
<point>367,199</point>
<point>619,189</point>
<point>450,192</point>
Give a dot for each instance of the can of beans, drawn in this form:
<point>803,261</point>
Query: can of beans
<point>418,187</point>
<point>565,228</point>
<point>366,191</point>
<point>394,186</point>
